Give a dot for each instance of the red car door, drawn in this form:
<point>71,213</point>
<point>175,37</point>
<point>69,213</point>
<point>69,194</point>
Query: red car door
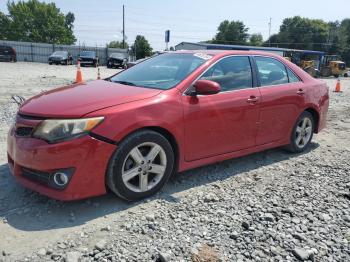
<point>227,121</point>
<point>282,99</point>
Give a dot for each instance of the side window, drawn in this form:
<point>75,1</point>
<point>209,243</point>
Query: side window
<point>292,77</point>
<point>271,72</point>
<point>231,73</point>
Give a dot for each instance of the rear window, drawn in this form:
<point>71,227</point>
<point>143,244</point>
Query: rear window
<point>271,72</point>
<point>292,77</point>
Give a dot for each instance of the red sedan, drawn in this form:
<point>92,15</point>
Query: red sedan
<point>170,113</point>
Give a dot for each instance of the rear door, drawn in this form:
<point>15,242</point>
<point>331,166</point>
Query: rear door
<point>282,98</point>
<point>227,121</point>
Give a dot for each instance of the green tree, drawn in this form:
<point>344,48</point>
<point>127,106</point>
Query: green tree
<point>234,32</point>
<point>303,33</point>
<point>256,40</point>
<point>141,48</point>
<point>4,26</point>
<point>273,41</point>
<point>344,40</point>
<point>117,44</point>
<point>35,21</point>
<point>333,41</point>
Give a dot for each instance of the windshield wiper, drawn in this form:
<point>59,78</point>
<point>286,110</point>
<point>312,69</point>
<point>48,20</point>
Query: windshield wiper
<point>124,83</point>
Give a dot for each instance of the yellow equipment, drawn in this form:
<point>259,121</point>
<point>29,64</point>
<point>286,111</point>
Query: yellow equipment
<point>309,67</point>
<point>332,65</point>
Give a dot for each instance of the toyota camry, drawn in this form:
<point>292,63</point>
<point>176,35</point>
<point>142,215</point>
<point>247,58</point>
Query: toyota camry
<point>129,133</point>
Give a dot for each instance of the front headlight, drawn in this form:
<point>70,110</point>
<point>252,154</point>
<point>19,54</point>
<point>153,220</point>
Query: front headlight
<point>57,130</point>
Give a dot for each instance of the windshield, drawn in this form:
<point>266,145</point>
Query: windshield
<point>118,55</point>
<point>161,72</point>
<point>60,53</point>
<point>87,53</point>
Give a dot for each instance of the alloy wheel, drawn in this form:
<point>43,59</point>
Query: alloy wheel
<point>144,167</point>
<point>303,132</point>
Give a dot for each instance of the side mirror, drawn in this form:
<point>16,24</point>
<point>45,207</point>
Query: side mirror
<point>206,87</point>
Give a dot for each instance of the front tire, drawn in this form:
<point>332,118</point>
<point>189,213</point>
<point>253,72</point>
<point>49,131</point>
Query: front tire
<point>140,166</point>
<point>302,133</point>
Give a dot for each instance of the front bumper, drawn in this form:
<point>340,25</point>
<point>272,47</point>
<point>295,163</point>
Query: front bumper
<point>115,62</point>
<point>87,156</point>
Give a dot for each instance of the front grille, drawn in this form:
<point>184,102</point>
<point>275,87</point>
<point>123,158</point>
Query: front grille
<point>116,60</point>
<point>87,59</point>
<point>37,176</point>
<point>24,131</point>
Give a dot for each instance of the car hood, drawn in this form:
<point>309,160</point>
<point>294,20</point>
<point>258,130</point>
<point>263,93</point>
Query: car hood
<point>80,99</point>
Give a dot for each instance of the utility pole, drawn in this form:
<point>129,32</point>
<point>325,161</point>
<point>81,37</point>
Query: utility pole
<point>123,27</point>
<point>270,23</point>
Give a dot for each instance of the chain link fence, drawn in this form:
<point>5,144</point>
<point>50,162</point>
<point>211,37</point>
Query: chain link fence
<point>39,52</point>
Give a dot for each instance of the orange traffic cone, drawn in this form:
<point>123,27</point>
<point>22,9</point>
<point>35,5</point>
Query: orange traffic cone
<point>98,73</point>
<point>337,87</point>
<point>79,77</point>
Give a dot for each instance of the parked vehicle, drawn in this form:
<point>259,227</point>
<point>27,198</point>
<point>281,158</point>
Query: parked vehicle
<point>347,74</point>
<point>170,113</point>
<point>117,60</point>
<point>7,54</point>
<point>61,57</point>
<point>332,65</point>
<point>88,58</point>
<point>131,64</point>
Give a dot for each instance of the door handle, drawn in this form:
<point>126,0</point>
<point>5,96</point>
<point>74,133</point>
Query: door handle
<point>301,92</point>
<point>252,99</point>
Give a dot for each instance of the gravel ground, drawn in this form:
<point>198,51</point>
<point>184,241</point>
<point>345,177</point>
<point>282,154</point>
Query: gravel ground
<point>269,206</point>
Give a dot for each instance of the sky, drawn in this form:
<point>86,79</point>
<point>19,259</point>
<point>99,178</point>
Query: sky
<point>98,22</point>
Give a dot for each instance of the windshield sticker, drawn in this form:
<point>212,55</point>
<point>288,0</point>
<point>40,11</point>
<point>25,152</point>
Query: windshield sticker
<point>203,56</point>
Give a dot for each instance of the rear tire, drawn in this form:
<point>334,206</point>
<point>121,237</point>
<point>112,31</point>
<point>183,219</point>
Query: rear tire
<point>302,133</point>
<point>140,166</point>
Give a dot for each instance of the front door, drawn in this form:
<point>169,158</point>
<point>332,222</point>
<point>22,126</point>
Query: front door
<point>227,121</point>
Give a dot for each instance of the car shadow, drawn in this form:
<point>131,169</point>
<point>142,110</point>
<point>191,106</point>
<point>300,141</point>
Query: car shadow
<point>29,211</point>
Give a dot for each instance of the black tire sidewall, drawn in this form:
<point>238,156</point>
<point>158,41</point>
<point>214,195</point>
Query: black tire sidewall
<point>114,177</point>
<point>293,146</point>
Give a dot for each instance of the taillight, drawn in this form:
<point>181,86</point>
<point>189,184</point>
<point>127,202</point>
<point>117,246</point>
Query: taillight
<point>13,50</point>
